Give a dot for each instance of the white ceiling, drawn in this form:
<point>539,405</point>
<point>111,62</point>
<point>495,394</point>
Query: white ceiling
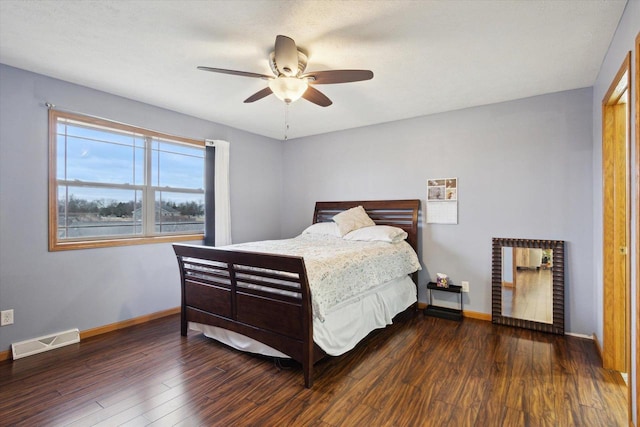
<point>427,56</point>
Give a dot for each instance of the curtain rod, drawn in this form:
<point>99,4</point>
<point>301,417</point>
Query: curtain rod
<point>51,106</point>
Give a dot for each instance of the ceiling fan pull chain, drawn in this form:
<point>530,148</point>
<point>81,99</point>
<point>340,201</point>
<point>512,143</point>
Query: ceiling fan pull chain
<point>286,121</point>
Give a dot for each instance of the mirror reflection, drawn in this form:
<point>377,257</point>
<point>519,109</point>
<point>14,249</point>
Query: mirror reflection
<point>527,284</point>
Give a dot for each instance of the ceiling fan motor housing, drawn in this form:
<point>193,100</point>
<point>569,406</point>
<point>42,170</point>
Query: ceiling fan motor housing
<point>302,65</point>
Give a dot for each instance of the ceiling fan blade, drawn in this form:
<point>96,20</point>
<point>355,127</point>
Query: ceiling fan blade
<point>317,97</point>
<point>286,56</point>
<point>235,73</point>
<point>259,95</point>
<point>337,76</point>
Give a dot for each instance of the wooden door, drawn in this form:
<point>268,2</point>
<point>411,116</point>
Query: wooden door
<point>637,236</point>
<point>616,214</point>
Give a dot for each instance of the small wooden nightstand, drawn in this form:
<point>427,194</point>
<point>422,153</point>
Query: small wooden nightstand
<point>443,312</point>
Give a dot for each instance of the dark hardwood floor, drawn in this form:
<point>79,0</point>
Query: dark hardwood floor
<point>421,371</point>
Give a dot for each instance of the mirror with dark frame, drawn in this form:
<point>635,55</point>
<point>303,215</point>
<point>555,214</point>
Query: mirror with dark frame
<point>528,284</point>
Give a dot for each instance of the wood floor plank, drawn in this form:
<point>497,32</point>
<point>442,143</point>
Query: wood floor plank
<point>356,415</point>
<point>185,393</point>
<point>342,408</point>
<point>131,392</point>
<point>464,416</point>
<point>420,371</point>
<point>588,393</point>
<point>419,401</point>
<point>439,413</point>
<point>219,413</point>
<point>188,414</point>
<point>490,413</point>
<point>541,401</point>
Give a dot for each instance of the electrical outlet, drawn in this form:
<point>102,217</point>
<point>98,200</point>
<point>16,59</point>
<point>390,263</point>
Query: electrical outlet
<point>465,286</point>
<point>6,317</point>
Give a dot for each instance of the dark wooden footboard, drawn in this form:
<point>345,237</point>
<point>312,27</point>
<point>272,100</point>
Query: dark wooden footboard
<point>263,296</point>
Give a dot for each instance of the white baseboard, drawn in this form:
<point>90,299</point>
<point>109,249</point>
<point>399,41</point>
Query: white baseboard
<point>573,334</point>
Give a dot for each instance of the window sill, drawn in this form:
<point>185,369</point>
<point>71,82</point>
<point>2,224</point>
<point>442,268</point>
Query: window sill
<point>107,243</point>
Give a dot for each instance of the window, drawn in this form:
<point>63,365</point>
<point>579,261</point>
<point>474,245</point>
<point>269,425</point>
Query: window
<point>112,184</point>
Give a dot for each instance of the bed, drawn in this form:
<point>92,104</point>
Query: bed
<point>265,297</point>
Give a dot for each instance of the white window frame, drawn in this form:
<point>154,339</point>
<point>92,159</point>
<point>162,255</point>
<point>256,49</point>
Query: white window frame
<point>149,235</point>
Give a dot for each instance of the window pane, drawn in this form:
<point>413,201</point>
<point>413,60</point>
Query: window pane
<point>62,212</point>
<point>61,151</point>
<point>98,212</point>
<point>99,134</point>
<point>179,213</point>
<point>178,166</point>
<point>173,147</point>
<point>93,161</point>
<point>138,165</point>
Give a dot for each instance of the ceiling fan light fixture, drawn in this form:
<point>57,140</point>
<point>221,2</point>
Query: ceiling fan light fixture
<point>288,89</point>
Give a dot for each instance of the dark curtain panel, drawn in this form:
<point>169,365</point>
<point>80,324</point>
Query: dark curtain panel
<point>209,196</point>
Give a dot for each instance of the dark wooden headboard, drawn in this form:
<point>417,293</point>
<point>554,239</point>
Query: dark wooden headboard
<point>398,213</point>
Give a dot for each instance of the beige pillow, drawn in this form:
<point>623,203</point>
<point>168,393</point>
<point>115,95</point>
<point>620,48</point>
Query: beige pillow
<point>352,219</point>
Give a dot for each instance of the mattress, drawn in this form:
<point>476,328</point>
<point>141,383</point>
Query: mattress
<point>343,326</point>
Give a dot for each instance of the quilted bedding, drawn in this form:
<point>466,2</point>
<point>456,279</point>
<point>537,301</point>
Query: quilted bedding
<point>340,269</point>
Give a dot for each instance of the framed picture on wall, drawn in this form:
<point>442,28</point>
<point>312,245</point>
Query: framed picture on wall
<point>442,201</point>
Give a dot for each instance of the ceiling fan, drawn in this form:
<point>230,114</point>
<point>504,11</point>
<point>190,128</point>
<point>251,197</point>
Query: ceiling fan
<point>290,82</point>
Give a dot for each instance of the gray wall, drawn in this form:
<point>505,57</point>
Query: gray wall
<point>55,291</point>
<point>623,42</point>
<point>524,170</point>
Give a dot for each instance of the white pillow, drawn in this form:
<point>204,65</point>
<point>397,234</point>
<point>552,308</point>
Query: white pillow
<point>352,219</point>
<point>328,228</point>
<point>378,233</point>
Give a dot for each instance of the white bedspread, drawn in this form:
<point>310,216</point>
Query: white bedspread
<point>346,325</point>
<point>339,269</point>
